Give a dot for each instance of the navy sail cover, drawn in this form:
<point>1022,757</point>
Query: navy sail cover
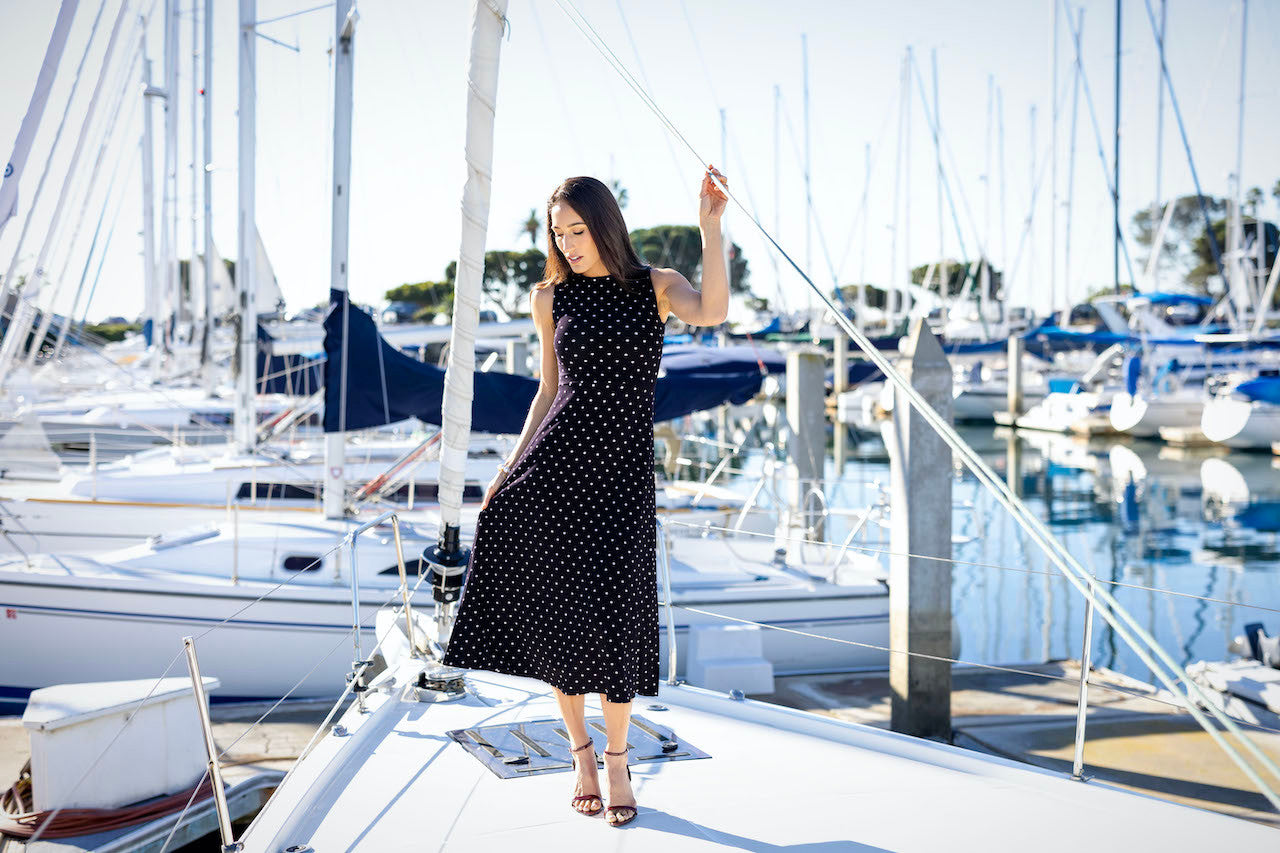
<point>383,385</point>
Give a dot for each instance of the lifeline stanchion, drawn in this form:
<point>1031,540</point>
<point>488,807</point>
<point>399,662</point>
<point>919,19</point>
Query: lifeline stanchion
<point>229,844</point>
<point>666,593</point>
<point>1082,704</point>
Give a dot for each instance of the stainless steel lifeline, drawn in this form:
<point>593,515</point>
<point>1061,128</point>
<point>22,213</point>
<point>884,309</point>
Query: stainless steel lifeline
<point>229,844</point>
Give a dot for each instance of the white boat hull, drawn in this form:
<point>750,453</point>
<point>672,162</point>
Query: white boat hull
<point>1241,423</point>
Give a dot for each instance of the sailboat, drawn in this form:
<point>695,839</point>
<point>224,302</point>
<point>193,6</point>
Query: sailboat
<point>432,757</point>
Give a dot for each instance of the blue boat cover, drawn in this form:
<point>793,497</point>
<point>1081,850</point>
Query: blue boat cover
<point>1264,389</point>
<point>385,386</point>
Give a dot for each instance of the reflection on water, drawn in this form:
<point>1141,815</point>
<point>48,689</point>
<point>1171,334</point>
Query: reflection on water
<point>1202,522</point>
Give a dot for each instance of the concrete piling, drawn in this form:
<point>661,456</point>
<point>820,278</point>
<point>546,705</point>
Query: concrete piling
<point>1015,379</point>
<point>920,525</point>
<point>806,417</point>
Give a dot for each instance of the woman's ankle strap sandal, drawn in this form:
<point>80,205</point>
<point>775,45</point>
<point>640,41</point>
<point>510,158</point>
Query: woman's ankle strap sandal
<point>583,798</point>
<point>607,809</point>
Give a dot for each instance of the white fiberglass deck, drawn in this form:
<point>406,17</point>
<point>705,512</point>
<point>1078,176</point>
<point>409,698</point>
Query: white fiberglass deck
<point>777,779</point>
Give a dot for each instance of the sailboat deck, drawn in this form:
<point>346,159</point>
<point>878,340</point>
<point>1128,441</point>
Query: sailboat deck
<point>775,778</point>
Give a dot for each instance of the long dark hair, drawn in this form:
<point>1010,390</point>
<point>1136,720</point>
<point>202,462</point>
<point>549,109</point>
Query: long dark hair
<point>600,213</point>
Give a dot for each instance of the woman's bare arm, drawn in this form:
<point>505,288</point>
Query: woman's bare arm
<point>540,303</point>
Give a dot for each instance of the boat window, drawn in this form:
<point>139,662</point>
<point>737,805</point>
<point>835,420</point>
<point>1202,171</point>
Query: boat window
<point>267,491</point>
<point>303,563</point>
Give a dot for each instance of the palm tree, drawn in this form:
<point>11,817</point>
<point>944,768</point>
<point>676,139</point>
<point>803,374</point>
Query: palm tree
<point>619,192</point>
<point>532,226</point>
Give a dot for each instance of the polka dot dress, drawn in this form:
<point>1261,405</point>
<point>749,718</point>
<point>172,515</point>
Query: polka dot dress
<point>562,584</point>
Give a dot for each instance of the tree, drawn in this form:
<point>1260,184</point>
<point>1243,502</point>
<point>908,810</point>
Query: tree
<point>1186,246</point>
<point>957,273</point>
<point>680,248</point>
<point>532,226</point>
<point>1207,269</point>
<point>1252,199</point>
<point>619,192</point>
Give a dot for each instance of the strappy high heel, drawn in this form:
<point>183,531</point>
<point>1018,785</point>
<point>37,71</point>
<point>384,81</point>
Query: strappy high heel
<point>634,810</point>
<point>584,797</point>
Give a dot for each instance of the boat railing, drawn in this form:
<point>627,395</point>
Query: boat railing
<point>1192,701</point>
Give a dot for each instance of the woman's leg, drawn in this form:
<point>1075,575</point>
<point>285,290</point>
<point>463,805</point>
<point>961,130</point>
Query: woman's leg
<point>617,719</point>
<point>572,710</point>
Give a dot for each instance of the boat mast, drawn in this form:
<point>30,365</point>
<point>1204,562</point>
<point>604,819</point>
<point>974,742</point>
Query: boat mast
<point>1053,169</point>
<point>488,22</point>
<point>197,295</point>
<point>1004,245</point>
<point>891,288</point>
<point>11,351</point>
<point>724,164</point>
<point>943,273</point>
<point>31,120</point>
<point>1031,215</point>
<point>1077,68</point>
<point>1237,215</point>
<point>1115,180</point>
<point>169,186</point>
<point>206,331</point>
<point>345,18</point>
<point>777,197</point>
<point>808,191</point>
<point>866,233</point>
<point>1155,202</point>
<point>906,191</point>
<point>246,410</point>
<point>984,269</point>
<point>151,284</point>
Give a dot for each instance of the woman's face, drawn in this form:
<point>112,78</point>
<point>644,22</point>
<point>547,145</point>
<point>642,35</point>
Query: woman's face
<point>574,240</point>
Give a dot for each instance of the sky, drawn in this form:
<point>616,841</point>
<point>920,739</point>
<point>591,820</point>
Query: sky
<point>562,110</point>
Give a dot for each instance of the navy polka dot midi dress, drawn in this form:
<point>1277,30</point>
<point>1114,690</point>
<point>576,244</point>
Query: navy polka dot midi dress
<point>562,584</point>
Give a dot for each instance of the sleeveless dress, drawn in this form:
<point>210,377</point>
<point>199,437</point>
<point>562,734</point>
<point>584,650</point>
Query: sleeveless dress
<point>562,580</point>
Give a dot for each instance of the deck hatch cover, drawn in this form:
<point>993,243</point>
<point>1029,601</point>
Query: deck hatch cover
<point>530,747</point>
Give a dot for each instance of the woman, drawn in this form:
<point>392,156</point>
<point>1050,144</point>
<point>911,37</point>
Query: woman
<point>562,584</point>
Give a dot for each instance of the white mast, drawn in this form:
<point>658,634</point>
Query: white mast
<point>246,410</point>
<point>892,298</point>
<point>866,246</point>
<point>344,52</point>
<point>206,334</point>
<point>1155,202</point>
<point>943,271</point>
<point>808,190</point>
<point>725,243</point>
<point>1077,70</point>
<point>31,290</point>
<point>487,23</point>
<point>1053,169</point>
<point>95,171</point>
<point>197,294</point>
<point>168,184</point>
<point>22,147</point>
<point>151,283</point>
<point>1241,291</point>
<point>31,121</point>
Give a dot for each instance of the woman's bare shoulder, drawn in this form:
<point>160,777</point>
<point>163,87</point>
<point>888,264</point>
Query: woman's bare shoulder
<point>663,277</point>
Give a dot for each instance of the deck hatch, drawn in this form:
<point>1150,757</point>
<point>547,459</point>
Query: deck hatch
<point>530,747</point>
